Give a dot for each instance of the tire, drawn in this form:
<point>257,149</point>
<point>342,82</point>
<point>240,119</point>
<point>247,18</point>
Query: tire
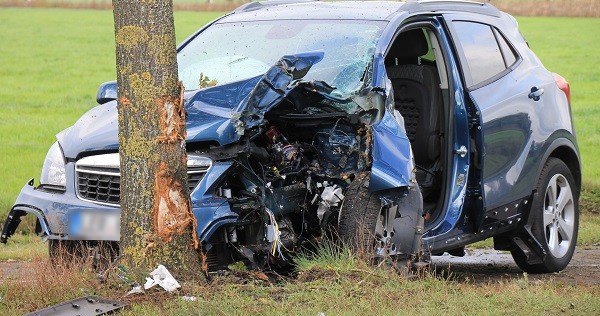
<point>554,218</point>
<point>364,225</point>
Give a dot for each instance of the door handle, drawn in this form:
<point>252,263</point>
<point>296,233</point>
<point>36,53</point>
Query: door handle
<point>536,93</point>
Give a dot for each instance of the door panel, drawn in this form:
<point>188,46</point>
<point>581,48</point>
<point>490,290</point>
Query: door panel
<point>515,125</point>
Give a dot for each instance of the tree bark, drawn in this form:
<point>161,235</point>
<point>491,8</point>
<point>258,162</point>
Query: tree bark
<point>157,225</point>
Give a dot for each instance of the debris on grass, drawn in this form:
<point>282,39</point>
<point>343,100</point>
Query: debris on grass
<point>87,305</point>
<point>162,277</point>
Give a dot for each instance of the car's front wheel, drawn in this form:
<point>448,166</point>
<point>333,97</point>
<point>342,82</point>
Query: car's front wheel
<point>376,229</point>
<point>555,218</point>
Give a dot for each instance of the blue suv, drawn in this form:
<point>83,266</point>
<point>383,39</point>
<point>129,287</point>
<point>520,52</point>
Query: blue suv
<point>404,129</point>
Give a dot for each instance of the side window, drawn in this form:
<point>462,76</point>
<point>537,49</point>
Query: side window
<point>479,45</point>
<point>509,54</point>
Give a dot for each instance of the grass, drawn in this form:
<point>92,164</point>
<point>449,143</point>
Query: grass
<point>328,288</point>
<point>24,248</point>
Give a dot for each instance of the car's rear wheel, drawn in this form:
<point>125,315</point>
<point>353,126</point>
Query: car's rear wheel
<point>555,218</point>
<point>364,223</point>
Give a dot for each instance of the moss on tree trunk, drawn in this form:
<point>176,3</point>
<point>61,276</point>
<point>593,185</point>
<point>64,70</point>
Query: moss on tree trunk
<point>157,225</point>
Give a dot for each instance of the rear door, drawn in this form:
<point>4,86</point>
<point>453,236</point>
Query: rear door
<point>499,82</point>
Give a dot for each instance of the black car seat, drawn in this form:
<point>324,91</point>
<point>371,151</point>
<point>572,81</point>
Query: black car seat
<point>417,97</point>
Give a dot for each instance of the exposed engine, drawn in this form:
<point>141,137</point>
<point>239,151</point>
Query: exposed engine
<point>288,184</point>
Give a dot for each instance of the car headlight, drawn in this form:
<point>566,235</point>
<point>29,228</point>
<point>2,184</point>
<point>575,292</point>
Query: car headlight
<point>53,171</point>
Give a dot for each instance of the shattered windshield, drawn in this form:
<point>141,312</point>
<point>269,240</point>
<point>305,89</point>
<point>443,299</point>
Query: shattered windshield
<point>230,52</point>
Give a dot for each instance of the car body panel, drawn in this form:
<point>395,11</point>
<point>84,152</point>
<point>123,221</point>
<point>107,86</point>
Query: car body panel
<point>392,158</point>
<point>514,126</point>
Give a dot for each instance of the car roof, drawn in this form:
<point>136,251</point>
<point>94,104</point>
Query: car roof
<point>350,10</point>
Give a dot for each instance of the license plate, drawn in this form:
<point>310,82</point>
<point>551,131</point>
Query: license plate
<point>94,225</point>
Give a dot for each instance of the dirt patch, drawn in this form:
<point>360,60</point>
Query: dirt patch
<point>12,270</point>
<point>485,265</point>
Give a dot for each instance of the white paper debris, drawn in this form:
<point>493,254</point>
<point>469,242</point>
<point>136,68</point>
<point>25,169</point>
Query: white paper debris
<point>189,298</point>
<point>163,278</point>
<point>137,289</point>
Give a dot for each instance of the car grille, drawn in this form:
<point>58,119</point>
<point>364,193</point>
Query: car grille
<point>99,185</point>
<point>102,184</point>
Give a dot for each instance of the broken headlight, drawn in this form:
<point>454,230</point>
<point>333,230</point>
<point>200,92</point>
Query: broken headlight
<point>53,171</point>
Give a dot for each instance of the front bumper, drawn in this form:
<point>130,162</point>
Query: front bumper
<point>56,212</point>
<point>62,215</point>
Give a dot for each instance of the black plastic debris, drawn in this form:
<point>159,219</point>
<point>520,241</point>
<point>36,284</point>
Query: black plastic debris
<point>87,305</point>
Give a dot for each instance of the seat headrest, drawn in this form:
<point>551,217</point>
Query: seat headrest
<point>409,44</point>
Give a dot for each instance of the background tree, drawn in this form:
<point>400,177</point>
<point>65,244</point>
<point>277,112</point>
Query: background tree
<point>157,225</point>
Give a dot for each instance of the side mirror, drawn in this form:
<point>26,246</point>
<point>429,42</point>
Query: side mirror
<point>107,92</point>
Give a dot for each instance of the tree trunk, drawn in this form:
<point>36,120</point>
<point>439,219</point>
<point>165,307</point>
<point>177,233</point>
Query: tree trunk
<point>157,225</point>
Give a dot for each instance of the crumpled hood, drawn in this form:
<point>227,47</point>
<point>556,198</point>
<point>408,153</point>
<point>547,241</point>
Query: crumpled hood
<point>209,114</point>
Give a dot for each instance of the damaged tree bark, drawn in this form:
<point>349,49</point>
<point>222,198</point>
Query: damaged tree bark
<point>157,225</point>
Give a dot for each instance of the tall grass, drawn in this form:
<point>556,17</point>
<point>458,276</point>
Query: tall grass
<point>189,5</point>
<point>328,256</point>
<point>40,284</point>
<point>354,288</point>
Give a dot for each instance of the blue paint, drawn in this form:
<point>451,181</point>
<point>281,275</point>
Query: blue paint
<point>392,158</point>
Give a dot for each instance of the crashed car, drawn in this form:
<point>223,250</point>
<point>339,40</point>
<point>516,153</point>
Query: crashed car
<point>404,129</point>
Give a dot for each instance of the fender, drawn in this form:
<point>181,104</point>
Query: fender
<point>14,219</point>
<point>19,210</point>
<point>392,155</point>
<point>410,225</point>
<point>525,241</point>
<point>568,142</point>
<point>210,211</point>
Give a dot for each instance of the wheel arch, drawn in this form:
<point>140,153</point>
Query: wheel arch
<point>565,150</point>
<point>14,219</point>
